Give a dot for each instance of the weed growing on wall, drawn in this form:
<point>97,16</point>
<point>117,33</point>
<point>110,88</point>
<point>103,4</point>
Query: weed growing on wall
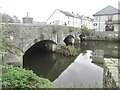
<point>84,30</point>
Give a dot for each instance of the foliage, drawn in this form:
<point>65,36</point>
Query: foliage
<point>17,77</point>
<point>67,50</point>
<point>85,30</point>
<point>8,19</point>
<point>16,20</point>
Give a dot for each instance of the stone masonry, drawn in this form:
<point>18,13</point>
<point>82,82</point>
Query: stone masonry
<point>22,36</point>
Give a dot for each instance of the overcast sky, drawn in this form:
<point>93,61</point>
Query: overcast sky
<point>40,10</point>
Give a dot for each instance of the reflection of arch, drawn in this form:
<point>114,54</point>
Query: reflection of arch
<point>49,65</point>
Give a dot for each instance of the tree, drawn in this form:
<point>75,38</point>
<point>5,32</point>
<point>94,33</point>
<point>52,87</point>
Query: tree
<point>16,20</point>
<point>6,18</point>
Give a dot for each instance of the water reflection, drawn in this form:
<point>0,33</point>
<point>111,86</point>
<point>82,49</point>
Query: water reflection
<point>82,72</point>
<point>48,65</point>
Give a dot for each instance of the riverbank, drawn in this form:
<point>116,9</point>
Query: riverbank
<point>17,77</point>
<point>102,36</point>
<point>111,78</point>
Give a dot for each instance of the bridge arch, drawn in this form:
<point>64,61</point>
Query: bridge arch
<point>42,46</point>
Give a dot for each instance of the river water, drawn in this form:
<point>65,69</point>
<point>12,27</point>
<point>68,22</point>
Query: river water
<point>83,71</point>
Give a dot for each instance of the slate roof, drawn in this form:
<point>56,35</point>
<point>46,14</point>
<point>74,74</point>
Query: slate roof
<point>67,14</point>
<point>70,14</point>
<point>109,10</point>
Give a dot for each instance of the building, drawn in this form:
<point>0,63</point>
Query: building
<point>60,17</point>
<point>27,19</point>
<point>106,19</point>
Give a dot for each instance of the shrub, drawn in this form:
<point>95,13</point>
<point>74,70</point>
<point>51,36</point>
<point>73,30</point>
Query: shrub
<point>85,30</point>
<point>67,50</point>
<point>17,77</point>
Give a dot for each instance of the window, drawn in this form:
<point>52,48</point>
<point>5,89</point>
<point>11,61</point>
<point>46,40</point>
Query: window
<point>95,24</point>
<point>109,17</point>
<point>65,23</point>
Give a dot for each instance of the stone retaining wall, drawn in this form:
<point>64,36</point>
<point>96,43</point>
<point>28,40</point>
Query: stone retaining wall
<point>103,35</point>
<point>110,77</point>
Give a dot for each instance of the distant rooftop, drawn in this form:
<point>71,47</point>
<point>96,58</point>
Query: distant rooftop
<point>27,16</point>
<point>109,10</point>
<point>70,14</point>
<point>27,19</point>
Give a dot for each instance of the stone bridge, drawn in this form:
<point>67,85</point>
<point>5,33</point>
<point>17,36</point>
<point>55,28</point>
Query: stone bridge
<point>22,36</point>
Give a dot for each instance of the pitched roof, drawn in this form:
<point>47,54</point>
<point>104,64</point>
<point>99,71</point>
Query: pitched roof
<point>71,14</point>
<point>109,10</point>
<point>67,14</point>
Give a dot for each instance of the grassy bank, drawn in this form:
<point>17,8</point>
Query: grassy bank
<point>17,77</point>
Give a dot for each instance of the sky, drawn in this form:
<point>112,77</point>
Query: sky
<point>40,10</point>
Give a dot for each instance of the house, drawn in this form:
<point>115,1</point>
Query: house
<point>60,17</point>
<point>106,19</point>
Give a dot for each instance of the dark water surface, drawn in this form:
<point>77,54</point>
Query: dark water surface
<point>78,71</point>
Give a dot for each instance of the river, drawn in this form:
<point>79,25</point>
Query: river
<point>83,71</point>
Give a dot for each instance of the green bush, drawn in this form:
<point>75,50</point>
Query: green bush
<point>85,30</point>
<point>17,77</point>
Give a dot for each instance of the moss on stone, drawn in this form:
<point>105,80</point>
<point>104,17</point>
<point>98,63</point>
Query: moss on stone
<point>119,68</point>
<point>67,50</point>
